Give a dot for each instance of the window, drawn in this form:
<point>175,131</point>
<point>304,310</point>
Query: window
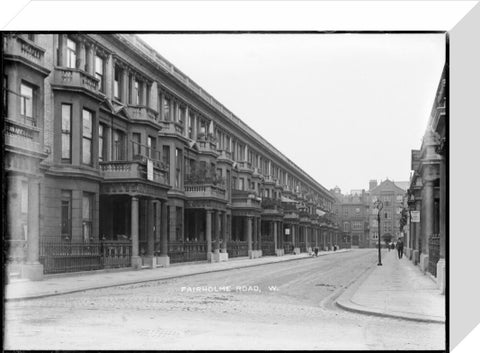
<point>118,145</point>
<point>136,143</point>
<point>166,160</point>
<point>71,54</point>
<point>66,215</point>
<point>66,133</point>
<point>26,102</point>
<point>234,183</point>
<point>99,72</point>
<point>116,82</point>
<point>31,37</point>
<point>151,145</point>
<point>101,143</point>
<point>87,137</point>
<point>87,205</point>
<point>178,166</point>
<point>345,227</point>
<point>241,185</point>
<point>136,92</point>
<point>182,115</point>
<point>166,109</point>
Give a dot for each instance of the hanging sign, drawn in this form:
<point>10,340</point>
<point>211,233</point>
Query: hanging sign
<point>149,169</point>
<point>415,216</point>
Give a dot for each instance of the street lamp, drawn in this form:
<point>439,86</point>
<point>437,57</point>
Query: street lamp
<point>379,205</point>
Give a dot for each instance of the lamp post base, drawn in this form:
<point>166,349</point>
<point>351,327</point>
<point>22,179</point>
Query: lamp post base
<point>379,264</point>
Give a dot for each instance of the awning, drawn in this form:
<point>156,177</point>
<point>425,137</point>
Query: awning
<point>286,199</point>
<point>320,212</point>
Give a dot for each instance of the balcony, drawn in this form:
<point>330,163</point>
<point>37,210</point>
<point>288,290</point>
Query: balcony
<point>224,154</point>
<point>75,79</point>
<point>246,198</point>
<point>142,113</point>
<point>270,180</point>
<point>207,146</point>
<point>20,48</point>
<point>125,170</point>
<point>245,166</point>
<point>23,133</point>
<point>205,191</point>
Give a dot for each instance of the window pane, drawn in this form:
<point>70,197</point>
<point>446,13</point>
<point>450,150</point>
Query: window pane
<point>26,101</point>
<point>66,128</point>
<point>87,151</point>
<point>86,207</point>
<point>98,65</point>
<point>71,44</point>
<point>66,114</point>
<point>87,124</point>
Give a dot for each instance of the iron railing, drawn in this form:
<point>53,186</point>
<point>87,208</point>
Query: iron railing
<point>236,248</point>
<point>60,257</point>
<point>180,251</point>
<point>433,253</point>
<point>268,248</point>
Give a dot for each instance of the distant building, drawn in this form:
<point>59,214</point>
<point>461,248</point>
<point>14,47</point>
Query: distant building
<point>392,197</point>
<point>352,217</point>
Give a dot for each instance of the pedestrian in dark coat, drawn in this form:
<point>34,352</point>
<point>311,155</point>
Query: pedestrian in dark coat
<point>400,248</point>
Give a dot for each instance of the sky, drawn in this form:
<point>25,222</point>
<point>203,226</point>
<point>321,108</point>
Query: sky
<point>346,108</point>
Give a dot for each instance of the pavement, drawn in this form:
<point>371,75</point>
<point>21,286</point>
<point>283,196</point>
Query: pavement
<point>396,289</point>
<point>77,282</point>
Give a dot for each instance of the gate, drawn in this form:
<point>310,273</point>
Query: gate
<point>268,248</point>
<point>433,253</point>
<point>288,247</point>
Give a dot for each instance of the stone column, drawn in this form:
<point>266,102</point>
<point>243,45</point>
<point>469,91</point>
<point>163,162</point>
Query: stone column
<point>81,56</point>
<point>249,236</point>
<point>441,265</point>
<point>225,233</point>
<point>259,235</point>
<point>124,87</point>
<point>217,231</point>
<point>307,242</point>
<point>255,236</point>
<point>62,50</point>
<point>208,232</point>
<point>150,259</point>
<point>136,260</point>
<point>13,100</point>
<point>428,201</point>
<point>292,230</point>
<point>156,222</point>
<point>32,269</point>
<point>275,242</point>
<point>109,76</point>
<point>164,260</point>
<point>91,59</point>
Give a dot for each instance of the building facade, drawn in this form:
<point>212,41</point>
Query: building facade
<point>392,197</point>
<point>352,212</point>
<point>427,194</point>
<point>115,158</point>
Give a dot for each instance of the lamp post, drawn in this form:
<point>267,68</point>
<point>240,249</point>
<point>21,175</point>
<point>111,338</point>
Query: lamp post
<point>379,205</point>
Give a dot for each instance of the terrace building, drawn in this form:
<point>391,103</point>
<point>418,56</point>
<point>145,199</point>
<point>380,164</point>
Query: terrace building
<point>427,194</point>
<point>115,158</point>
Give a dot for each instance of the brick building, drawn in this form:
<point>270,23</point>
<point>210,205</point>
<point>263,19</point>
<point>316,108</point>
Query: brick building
<point>392,196</point>
<point>352,212</point>
<point>114,157</point>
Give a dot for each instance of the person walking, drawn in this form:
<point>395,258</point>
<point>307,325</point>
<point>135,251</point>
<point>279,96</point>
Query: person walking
<point>400,248</point>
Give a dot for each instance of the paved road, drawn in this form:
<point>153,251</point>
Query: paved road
<point>278,306</point>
